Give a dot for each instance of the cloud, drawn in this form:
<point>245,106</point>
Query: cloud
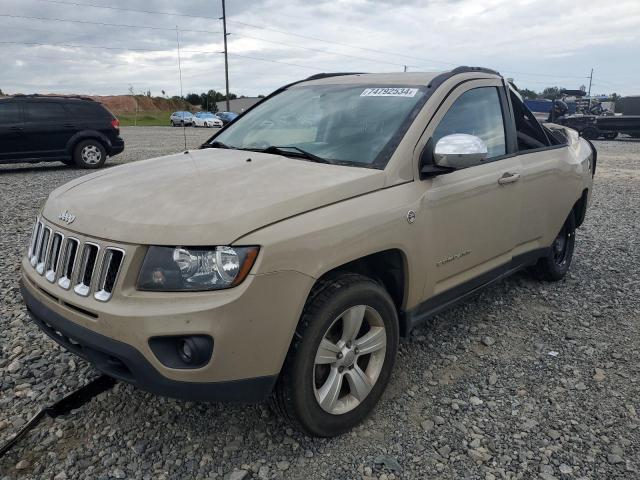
<point>273,42</point>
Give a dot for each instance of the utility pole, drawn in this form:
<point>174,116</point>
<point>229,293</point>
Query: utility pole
<point>226,60</point>
<point>589,94</point>
<point>405,68</point>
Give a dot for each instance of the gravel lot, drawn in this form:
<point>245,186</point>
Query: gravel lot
<point>527,380</point>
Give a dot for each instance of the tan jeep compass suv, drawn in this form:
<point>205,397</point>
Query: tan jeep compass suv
<point>285,258</point>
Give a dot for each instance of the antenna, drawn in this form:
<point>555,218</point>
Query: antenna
<point>184,132</point>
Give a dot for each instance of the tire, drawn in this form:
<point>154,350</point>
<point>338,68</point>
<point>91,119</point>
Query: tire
<point>89,154</point>
<point>555,266</point>
<point>309,371</point>
<point>610,135</point>
<point>590,133</point>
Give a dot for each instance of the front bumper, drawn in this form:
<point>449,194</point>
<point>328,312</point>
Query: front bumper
<point>122,361</point>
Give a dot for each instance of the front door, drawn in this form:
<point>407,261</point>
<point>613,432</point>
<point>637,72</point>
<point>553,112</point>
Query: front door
<point>472,212</point>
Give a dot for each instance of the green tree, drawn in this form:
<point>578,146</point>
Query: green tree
<point>551,92</point>
<point>615,98</point>
<point>1,92</point>
<point>193,99</point>
<point>526,93</point>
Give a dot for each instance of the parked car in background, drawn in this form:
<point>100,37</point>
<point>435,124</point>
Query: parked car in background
<point>179,119</point>
<point>226,117</point>
<point>44,128</point>
<point>206,119</point>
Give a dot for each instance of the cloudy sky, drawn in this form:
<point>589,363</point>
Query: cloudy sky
<point>77,46</point>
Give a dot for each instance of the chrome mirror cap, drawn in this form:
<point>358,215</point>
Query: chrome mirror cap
<point>459,150</point>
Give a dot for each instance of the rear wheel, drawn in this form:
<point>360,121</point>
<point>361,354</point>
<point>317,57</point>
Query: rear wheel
<point>590,133</point>
<point>89,154</point>
<point>611,135</point>
<point>556,265</point>
<point>341,357</point>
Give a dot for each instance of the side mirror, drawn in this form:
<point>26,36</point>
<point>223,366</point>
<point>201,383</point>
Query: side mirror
<point>459,150</point>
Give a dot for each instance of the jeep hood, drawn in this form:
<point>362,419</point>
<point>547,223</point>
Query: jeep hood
<point>202,197</point>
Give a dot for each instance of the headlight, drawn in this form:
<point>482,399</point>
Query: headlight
<point>169,269</point>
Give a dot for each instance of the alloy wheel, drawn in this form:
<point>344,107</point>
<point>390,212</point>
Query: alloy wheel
<point>349,359</point>
<point>91,155</point>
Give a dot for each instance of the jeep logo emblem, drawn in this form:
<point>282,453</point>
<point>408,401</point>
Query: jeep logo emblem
<point>67,217</point>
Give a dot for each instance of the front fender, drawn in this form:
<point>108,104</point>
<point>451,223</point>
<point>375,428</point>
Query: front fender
<point>318,241</point>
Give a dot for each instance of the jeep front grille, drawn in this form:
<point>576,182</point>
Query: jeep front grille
<point>111,263</point>
<point>42,250</point>
<point>67,261</point>
<point>53,256</point>
<point>87,266</point>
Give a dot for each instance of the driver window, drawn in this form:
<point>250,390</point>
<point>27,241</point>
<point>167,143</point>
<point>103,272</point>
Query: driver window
<point>476,112</point>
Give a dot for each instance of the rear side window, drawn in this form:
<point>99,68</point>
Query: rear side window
<point>476,112</point>
<point>87,110</point>
<point>45,112</point>
<point>9,113</point>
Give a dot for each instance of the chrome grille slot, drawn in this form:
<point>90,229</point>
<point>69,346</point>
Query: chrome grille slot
<point>42,250</point>
<point>53,257</point>
<point>34,238</point>
<point>37,244</point>
<point>111,264</point>
<point>70,253</point>
<point>86,268</point>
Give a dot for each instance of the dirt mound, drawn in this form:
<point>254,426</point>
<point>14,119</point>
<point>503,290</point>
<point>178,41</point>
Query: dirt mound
<point>127,103</point>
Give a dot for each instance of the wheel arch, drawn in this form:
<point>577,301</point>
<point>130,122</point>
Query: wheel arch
<point>580,207</point>
<point>388,267</point>
<point>87,135</point>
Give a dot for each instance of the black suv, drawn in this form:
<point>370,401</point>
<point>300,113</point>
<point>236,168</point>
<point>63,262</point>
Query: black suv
<point>72,130</point>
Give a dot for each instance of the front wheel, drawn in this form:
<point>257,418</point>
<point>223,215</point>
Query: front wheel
<point>341,357</point>
<point>611,135</point>
<point>89,154</point>
<point>556,265</point>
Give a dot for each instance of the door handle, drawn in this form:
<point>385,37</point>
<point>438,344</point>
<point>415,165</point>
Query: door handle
<point>68,125</point>
<point>508,177</point>
<point>17,129</point>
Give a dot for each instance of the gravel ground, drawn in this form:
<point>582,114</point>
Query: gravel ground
<point>527,380</point>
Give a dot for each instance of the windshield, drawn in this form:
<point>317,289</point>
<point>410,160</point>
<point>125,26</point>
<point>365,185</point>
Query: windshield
<point>358,125</point>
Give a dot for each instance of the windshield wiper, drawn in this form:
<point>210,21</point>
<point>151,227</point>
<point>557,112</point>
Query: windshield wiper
<point>299,153</point>
<point>215,144</point>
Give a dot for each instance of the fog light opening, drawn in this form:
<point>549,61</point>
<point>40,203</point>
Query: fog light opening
<point>187,350</point>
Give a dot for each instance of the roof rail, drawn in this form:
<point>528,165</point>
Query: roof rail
<point>465,69</point>
<point>40,95</point>
<point>319,76</point>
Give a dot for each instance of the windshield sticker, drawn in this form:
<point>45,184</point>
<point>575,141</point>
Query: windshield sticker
<point>389,92</point>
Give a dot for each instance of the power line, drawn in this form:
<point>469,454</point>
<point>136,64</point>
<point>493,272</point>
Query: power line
<point>243,35</point>
<point>108,7</point>
<point>103,47</point>
<point>250,25</point>
<point>283,32</point>
<point>68,45</point>
<point>103,24</point>
<point>319,50</point>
